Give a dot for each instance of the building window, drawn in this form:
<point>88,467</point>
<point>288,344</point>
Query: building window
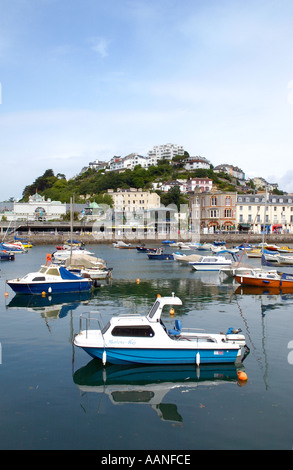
<point>213,201</point>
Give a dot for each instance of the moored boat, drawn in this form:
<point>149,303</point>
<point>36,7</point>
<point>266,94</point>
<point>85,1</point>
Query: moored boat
<point>13,247</point>
<point>50,279</point>
<point>88,266</point>
<point>159,254</point>
<point>6,255</point>
<point>269,278</point>
<point>182,258</point>
<point>137,339</point>
<point>210,263</point>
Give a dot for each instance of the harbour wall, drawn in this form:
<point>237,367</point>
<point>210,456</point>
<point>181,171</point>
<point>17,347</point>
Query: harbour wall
<point>88,238</point>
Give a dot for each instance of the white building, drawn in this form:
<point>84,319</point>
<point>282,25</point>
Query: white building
<point>128,162</point>
<point>134,200</point>
<point>231,170</point>
<point>194,163</point>
<point>98,165</point>
<point>276,215</point>
<point>167,151</point>
<point>37,208</point>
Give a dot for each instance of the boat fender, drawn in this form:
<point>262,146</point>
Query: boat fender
<point>197,359</point>
<point>104,358</point>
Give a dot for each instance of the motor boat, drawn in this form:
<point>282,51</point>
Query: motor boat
<point>136,339</point>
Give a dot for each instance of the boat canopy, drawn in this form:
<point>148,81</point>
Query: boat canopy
<point>65,274</point>
<point>82,259</point>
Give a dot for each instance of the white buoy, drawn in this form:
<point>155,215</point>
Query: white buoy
<point>104,358</point>
<point>197,359</point>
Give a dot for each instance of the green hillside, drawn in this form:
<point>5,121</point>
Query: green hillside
<point>93,185</point>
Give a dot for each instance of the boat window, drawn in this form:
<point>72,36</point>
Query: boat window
<point>153,309</point>
<point>39,278</point>
<point>138,331</point>
<point>43,269</point>
<point>53,272</point>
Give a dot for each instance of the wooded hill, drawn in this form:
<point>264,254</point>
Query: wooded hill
<point>93,185</point>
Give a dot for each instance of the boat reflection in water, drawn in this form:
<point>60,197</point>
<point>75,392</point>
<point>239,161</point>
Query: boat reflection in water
<point>149,385</point>
<point>55,306</point>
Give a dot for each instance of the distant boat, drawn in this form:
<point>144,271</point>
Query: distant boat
<point>121,244</point>
<point>205,247</point>
<point>210,263</point>
<point>50,279</point>
<point>60,256</point>
<point>13,247</point>
<point>159,254</point>
<point>182,258</point>
<point>88,267</point>
<point>144,249</point>
<point>6,255</point>
<point>254,253</point>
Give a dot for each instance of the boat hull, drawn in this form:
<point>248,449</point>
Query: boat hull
<point>274,283</point>
<point>209,267</point>
<point>50,287</point>
<point>162,256</point>
<point>164,356</point>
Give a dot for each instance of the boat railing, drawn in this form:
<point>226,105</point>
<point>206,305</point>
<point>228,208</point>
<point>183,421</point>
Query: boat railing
<point>191,330</point>
<point>87,319</point>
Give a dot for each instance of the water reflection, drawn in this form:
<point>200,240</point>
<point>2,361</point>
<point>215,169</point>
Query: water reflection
<point>149,385</point>
<point>55,306</point>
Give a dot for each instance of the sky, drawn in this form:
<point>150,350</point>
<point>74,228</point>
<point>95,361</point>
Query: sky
<point>82,80</point>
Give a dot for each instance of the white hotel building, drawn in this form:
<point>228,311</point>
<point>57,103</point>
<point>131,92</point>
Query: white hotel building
<point>254,212</point>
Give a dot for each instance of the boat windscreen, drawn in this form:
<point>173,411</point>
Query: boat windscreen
<point>153,309</point>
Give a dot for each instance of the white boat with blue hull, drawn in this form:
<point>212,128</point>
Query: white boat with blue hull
<point>50,279</point>
<point>136,339</point>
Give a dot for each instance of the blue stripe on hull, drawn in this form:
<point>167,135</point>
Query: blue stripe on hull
<point>61,287</point>
<point>164,356</point>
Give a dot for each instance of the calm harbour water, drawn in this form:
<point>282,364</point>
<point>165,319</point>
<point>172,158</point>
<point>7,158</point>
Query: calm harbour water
<point>53,396</point>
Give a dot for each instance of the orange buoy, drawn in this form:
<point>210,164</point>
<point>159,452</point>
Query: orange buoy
<point>241,375</point>
<point>158,295</point>
<point>172,311</point>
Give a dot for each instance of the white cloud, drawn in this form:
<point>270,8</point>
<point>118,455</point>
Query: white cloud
<point>100,45</point>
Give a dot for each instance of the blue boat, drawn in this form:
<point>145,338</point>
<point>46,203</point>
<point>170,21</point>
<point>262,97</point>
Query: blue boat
<point>136,339</point>
<point>159,254</point>
<point>6,255</point>
<point>51,279</point>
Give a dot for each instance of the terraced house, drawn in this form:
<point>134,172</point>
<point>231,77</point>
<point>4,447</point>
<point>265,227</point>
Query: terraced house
<point>217,210</point>
<point>223,211</point>
<point>258,211</point>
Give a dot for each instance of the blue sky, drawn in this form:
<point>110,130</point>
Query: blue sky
<point>88,79</point>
